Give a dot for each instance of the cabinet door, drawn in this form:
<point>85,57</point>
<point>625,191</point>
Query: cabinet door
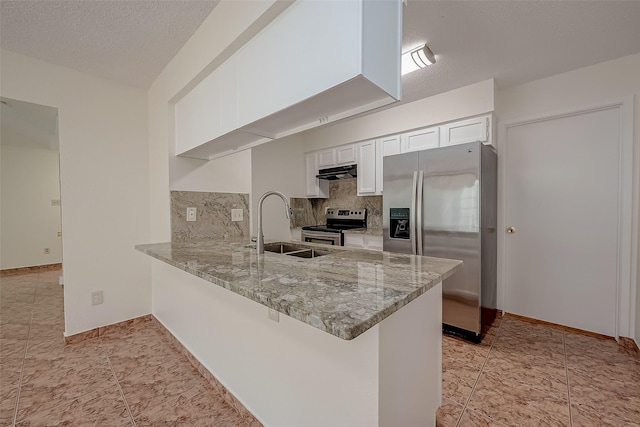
<point>471,130</point>
<point>420,139</point>
<point>390,145</point>
<point>373,243</point>
<point>197,115</point>
<point>296,234</point>
<point>386,146</point>
<point>295,57</point>
<point>367,168</point>
<point>315,187</point>
<point>354,240</point>
<point>346,154</point>
<point>326,158</point>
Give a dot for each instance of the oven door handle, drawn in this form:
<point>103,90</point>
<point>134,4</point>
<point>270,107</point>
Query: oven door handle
<point>334,238</point>
<point>319,234</point>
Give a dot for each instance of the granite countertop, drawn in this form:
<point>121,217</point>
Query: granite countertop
<point>367,231</point>
<point>343,293</point>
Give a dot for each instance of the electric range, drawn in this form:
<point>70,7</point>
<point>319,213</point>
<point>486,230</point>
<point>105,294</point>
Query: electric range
<point>338,221</point>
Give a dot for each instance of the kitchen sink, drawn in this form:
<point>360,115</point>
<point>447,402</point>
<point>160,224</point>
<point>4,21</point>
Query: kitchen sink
<point>282,248</point>
<point>296,250</point>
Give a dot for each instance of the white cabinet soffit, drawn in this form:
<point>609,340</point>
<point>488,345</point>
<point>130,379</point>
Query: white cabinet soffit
<point>316,63</point>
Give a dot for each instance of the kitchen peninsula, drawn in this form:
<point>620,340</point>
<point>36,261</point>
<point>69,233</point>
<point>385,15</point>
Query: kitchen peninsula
<point>368,350</point>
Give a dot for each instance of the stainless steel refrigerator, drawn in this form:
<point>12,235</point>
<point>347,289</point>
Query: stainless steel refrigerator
<point>442,203</point>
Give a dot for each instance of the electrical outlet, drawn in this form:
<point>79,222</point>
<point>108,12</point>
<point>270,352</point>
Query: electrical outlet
<point>97,298</point>
<point>47,251</point>
<point>236,215</point>
<point>55,202</point>
<point>191,214</point>
<point>274,315</point>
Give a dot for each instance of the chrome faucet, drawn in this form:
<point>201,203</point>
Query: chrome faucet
<point>288,213</point>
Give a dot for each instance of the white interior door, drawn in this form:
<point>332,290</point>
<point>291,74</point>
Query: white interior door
<point>562,198</point>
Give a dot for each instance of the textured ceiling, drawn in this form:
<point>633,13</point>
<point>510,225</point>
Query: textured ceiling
<point>126,41</point>
<point>512,41</point>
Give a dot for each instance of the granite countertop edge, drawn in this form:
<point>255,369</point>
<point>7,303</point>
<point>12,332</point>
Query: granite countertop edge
<point>315,318</point>
<point>366,231</point>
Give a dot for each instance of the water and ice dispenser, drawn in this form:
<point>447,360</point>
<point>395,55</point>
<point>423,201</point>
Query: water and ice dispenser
<point>399,223</point>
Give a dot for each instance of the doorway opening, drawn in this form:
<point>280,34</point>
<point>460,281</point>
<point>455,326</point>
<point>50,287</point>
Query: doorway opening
<point>30,210</point>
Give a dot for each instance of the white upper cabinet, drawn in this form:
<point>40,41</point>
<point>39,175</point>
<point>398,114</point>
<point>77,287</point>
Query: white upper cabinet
<point>343,155</point>
<point>326,158</point>
<point>421,139</point>
<point>317,62</point>
<point>315,187</point>
<point>390,145</point>
<point>346,155</point>
<point>387,146</point>
<point>367,168</point>
<point>369,154</point>
<point>461,132</point>
<point>194,113</point>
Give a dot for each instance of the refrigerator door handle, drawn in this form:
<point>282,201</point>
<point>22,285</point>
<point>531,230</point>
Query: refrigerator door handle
<point>419,202</point>
<point>412,216</point>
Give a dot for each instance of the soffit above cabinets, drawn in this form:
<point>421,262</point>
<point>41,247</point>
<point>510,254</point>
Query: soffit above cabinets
<point>294,76</point>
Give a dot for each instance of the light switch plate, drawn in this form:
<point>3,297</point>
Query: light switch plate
<point>236,215</point>
<point>191,214</point>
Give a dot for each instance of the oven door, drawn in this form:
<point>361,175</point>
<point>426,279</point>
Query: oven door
<point>325,238</point>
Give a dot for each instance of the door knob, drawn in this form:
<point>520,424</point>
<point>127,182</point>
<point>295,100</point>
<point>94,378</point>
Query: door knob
<point>511,230</point>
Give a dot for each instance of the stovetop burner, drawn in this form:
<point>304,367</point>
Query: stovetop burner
<point>339,220</point>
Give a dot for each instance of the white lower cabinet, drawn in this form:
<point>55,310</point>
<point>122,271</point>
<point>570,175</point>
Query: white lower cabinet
<point>296,234</point>
<point>373,242</point>
<point>354,240</point>
<point>363,241</point>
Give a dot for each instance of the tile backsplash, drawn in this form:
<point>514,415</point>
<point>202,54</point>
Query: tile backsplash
<point>213,217</point>
<point>342,194</point>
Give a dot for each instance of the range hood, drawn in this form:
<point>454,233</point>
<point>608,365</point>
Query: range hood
<point>340,172</point>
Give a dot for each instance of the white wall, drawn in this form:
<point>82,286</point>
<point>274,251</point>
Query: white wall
<point>276,165</point>
<point>466,101</point>
<point>589,86</point>
<point>230,24</point>
<point>104,173</point>
<point>267,365</point>
<point>29,222</point>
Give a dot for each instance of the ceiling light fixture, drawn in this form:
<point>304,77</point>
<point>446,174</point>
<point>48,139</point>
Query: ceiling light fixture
<point>417,58</point>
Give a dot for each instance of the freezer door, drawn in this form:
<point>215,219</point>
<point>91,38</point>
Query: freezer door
<point>398,213</point>
<point>451,227</point>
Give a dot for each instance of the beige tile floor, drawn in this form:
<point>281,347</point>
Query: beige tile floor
<point>126,378</point>
<point>527,374</point>
<point>522,374</point>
